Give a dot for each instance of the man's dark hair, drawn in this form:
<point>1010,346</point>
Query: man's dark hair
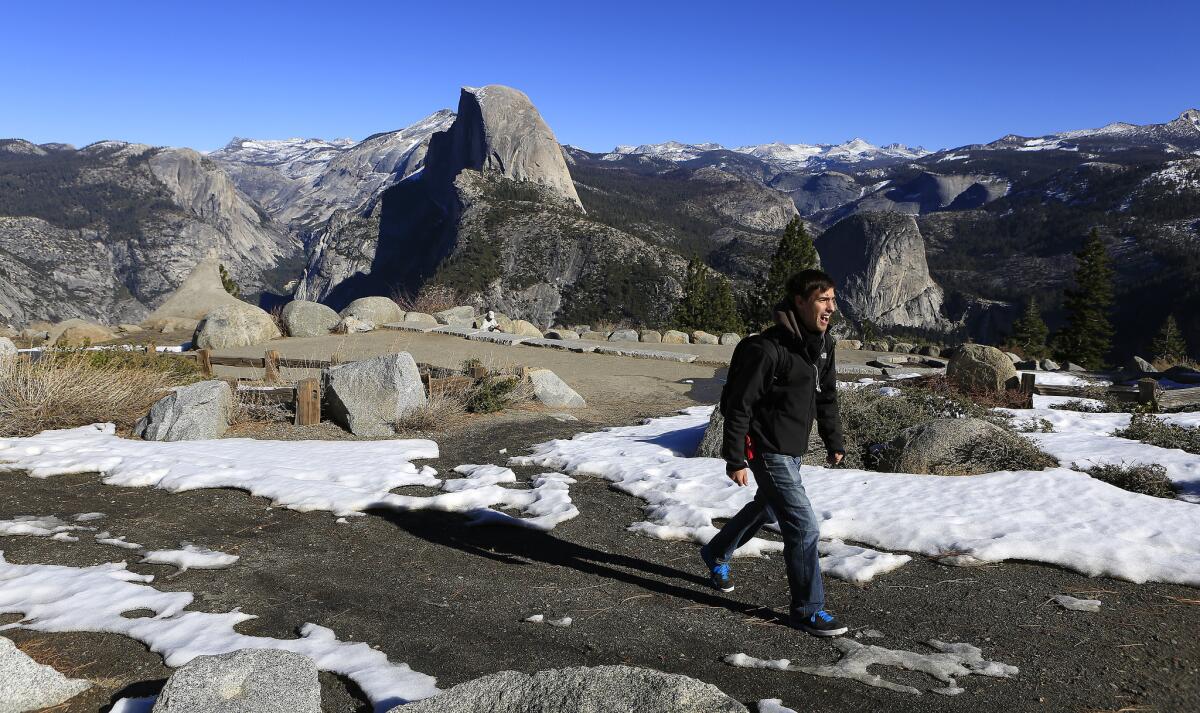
<point>805,282</point>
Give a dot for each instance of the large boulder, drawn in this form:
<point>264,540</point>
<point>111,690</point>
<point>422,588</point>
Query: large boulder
<point>878,345</point>
<point>563,334</point>
<point>903,348</point>
<point>849,344</point>
<point>978,367</point>
<point>1138,364</point>
<point>595,336</point>
<point>419,318</point>
<point>200,411</point>
<point>522,328</point>
<point>27,685</point>
<point>369,396</point>
<point>940,447</point>
<point>376,310</point>
<point>730,339</point>
<point>353,325</point>
<point>233,326</point>
<point>78,332</point>
<point>674,336</point>
<point>650,336</point>
<point>553,391</point>
<point>302,318</point>
<point>598,689</point>
<point>200,293</point>
<point>878,262</point>
<point>7,348</point>
<point>244,681</point>
<point>623,335</point>
<point>699,336</point>
<point>456,316</point>
<point>710,444</point>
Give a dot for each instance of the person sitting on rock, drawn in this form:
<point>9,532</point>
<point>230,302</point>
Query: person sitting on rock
<point>489,322</point>
<point>779,383</point>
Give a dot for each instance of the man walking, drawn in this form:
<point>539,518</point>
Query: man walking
<point>780,382</point>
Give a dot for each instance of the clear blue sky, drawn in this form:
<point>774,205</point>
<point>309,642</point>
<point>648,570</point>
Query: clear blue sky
<point>939,74</point>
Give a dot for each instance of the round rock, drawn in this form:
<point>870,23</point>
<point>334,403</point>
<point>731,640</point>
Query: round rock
<point>302,318</point>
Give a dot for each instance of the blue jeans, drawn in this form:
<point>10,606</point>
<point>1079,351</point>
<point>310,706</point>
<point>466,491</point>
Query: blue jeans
<point>781,498</point>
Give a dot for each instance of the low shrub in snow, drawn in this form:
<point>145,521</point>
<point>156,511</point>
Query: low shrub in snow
<point>1007,451</point>
<point>66,389</point>
<point>1144,478</point>
<point>1157,432</point>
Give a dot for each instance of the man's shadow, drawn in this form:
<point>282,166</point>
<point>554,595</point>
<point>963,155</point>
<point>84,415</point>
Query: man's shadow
<point>516,546</point>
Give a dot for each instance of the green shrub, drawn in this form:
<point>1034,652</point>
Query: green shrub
<point>1144,478</point>
<point>491,394</point>
<point>1008,452</point>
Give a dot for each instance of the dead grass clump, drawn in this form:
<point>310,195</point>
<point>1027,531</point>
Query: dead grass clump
<point>1144,478</point>
<point>70,389</point>
<point>1164,434</point>
<point>1163,364</point>
<point>429,299</point>
<point>277,317</point>
<point>442,411</point>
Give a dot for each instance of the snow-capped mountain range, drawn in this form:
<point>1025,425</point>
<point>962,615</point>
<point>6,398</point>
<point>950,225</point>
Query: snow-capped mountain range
<point>788,157</point>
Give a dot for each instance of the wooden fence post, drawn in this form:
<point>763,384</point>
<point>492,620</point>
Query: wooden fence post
<point>1028,383</point>
<point>308,402</point>
<point>271,366</point>
<point>204,359</point>
<point>1146,389</point>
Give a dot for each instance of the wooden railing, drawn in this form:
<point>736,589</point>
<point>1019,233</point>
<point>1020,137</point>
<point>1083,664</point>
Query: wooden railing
<point>1145,392</point>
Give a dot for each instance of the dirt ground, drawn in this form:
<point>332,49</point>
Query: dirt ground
<point>449,599</point>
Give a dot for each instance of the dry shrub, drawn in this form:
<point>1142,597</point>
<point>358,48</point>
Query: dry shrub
<point>989,454</point>
<point>1157,432</point>
<point>1144,478</point>
<point>277,317</point>
<point>75,388</point>
<point>939,384</point>
<point>429,299</point>
<point>448,407</point>
<point>1164,364</point>
<point>443,410</point>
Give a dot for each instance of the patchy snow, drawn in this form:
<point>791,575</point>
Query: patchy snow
<point>345,478</point>
<point>1082,440</point>
<point>1063,378</point>
<point>1066,601</point>
<point>88,516</point>
<point>38,526</point>
<point>1057,516</point>
<point>951,662</point>
<point>541,619</point>
<point>766,705</point>
<point>106,538</point>
<point>190,557</point>
<point>54,598</point>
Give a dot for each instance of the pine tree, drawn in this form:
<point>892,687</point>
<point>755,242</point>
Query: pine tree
<point>794,253</point>
<point>1169,345</point>
<point>707,302</point>
<point>1087,337</point>
<point>228,283</point>
<point>1030,331</point>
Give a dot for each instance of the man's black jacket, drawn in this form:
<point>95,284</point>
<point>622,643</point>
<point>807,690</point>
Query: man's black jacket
<point>772,395</point>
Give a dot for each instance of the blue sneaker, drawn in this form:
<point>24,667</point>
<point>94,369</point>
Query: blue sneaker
<point>822,623</point>
<point>718,572</point>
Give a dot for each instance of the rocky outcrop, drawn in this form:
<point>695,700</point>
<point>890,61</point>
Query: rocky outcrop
<point>499,131</point>
<point>235,326</point>
<point>598,689</point>
<point>244,681</point>
<point>198,411</point>
<point>878,263</point>
<point>200,292</point>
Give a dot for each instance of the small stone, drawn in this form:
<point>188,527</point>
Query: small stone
<point>244,681</point>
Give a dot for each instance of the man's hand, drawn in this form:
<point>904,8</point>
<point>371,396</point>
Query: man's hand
<point>739,476</point>
<point>836,458</point>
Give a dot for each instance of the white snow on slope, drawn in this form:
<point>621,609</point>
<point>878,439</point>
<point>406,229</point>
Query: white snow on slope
<point>1056,516</point>
<point>345,478</point>
<point>55,598</point>
<point>190,557</point>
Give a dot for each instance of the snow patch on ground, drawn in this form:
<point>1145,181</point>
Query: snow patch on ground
<point>54,598</point>
<point>106,538</point>
<point>1057,516</point>
<point>38,526</point>
<point>767,705</point>
<point>345,478</point>
<point>541,619</point>
<point>951,662</point>
<point>1066,601</point>
<point>190,557</point>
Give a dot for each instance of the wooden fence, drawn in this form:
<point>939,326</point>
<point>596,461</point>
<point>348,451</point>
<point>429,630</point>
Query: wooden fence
<point>1146,391</point>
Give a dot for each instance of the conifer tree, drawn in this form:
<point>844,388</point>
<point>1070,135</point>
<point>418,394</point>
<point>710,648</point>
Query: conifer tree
<point>1030,331</point>
<point>707,301</point>
<point>794,253</point>
<point>1087,336</point>
<point>1169,345</point>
